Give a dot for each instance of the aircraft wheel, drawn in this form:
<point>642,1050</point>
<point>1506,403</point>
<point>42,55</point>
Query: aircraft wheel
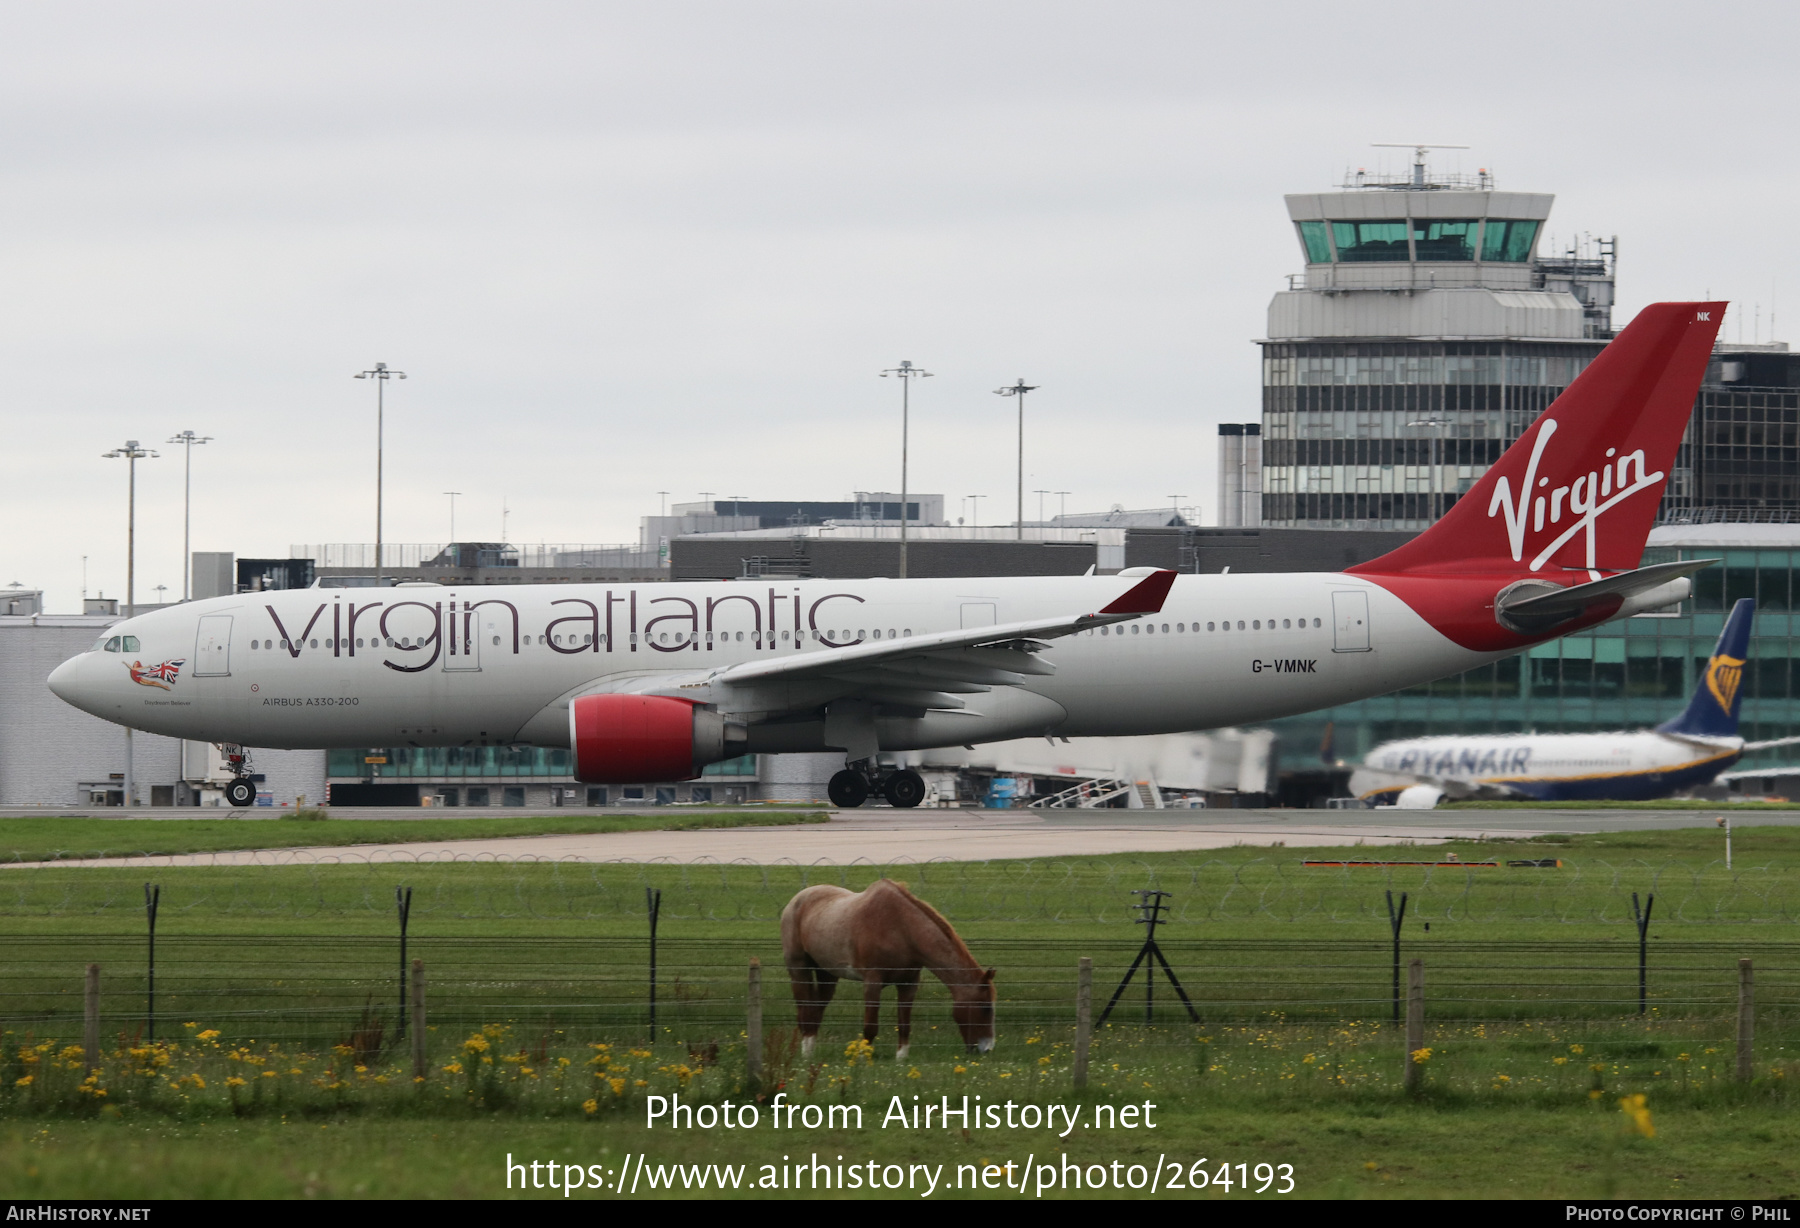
<point>904,789</point>
<point>241,792</point>
<point>847,790</point>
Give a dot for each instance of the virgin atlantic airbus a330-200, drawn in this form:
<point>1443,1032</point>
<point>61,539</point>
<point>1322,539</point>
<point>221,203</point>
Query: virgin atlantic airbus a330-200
<point>649,682</point>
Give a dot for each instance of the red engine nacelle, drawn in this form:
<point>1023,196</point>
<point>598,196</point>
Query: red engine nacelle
<point>631,739</point>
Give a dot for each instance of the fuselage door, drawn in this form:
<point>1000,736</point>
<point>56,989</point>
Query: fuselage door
<point>212,647</point>
<point>1349,621</point>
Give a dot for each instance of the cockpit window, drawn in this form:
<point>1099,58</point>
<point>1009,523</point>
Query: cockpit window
<point>131,644</point>
<point>114,644</point>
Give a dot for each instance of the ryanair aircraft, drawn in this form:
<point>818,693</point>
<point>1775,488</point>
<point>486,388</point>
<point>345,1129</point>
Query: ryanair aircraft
<point>1692,749</point>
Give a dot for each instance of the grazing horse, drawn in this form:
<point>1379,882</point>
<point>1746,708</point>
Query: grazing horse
<point>884,935</point>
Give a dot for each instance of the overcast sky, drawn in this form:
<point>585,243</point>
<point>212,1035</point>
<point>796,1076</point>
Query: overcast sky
<point>624,248</point>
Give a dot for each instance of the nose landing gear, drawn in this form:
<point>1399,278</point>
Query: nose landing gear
<point>853,786</point>
<point>240,791</point>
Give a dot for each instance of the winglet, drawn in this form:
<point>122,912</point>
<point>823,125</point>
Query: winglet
<point>1144,597</point>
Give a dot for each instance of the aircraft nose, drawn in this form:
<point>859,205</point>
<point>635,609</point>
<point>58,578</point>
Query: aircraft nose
<point>72,683</point>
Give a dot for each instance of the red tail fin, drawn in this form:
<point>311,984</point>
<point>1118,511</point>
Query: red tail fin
<point>1581,486</point>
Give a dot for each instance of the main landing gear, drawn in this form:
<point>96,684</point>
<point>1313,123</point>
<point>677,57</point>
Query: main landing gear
<point>853,786</point>
<point>241,792</point>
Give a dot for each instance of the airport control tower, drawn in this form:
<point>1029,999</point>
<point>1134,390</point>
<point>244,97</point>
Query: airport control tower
<point>1425,335</point>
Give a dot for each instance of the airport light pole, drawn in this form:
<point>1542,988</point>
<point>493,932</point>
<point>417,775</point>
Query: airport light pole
<point>453,494</point>
<point>1040,494</point>
<point>381,375</point>
<point>1062,510</point>
<point>1175,505</point>
<point>187,440</point>
<point>906,373</point>
<point>975,500</point>
<point>1019,390</point>
<point>132,453</point>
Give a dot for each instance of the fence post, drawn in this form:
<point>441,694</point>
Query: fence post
<point>152,901</point>
<point>1415,1022</point>
<point>403,904</point>
<point>1084,1018</point>
<point>1746,1029</point>
<point>753,1037</point>
<point>653,905</point>
<point>418,1018</point>
<point>90,1034</point>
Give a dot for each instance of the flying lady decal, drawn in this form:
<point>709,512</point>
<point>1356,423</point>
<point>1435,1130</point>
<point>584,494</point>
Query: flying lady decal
<point>156,675</point>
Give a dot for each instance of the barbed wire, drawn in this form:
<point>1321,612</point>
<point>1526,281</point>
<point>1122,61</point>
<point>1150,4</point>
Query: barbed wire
<point>1057,891</point>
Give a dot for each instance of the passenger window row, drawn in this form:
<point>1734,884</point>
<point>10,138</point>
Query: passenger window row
<point>1254,624</point>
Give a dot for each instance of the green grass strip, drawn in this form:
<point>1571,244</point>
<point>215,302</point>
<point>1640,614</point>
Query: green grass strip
<point>45,839</point>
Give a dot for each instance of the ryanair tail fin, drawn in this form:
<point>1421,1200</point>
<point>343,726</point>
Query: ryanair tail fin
<point>1713,710</point>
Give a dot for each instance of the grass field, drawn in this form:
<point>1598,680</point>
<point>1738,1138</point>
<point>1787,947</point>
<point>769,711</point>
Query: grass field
<point>1672,803</point>
<point>284,978</point>
<point>37,839</point>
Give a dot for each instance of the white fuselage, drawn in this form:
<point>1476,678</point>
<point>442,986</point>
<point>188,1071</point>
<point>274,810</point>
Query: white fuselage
<point>475,665</point>
<point>1551,766</point>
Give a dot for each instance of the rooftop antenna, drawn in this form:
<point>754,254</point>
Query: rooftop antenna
<point>1418,148</point>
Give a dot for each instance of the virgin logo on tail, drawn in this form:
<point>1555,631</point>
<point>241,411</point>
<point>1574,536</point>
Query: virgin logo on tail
<point>1582,501</point>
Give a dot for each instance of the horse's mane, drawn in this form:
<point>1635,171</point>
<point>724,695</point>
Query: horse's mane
<point>936,918</point>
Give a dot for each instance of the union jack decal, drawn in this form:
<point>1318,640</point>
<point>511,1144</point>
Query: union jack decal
<point>156,675</point>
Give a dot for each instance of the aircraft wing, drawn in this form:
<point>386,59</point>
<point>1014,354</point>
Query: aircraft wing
<point>929,671</point>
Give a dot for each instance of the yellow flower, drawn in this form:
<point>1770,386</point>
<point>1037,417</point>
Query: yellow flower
<point>1559,1061</point>
<point>860,1050</point>
<point>962,1070</point>
<point>1595,1094</point>
<point>452,1068</point>
<point>475,1044</point>
<point>1421,1055</point>
<point>642,1083</point>
<point>190,1025</point>
<point>1044,1061</point>
<point>268,1074</point>
<point>209,1034</point>
<point>1577,1048</point>
<point>590,1107</point>
<point>913,1073</point>
<point>1637,1115</point>
<point>618,1086</point>
<point>234,1081</point>
<point>25,1082</point>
